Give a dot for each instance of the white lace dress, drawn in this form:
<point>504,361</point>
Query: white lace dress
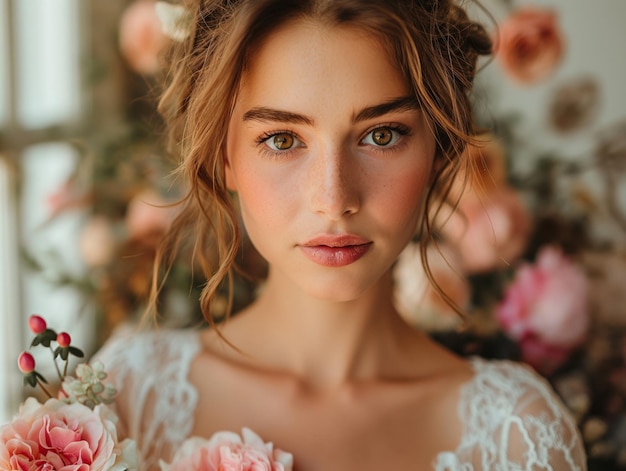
<point>512,421</point>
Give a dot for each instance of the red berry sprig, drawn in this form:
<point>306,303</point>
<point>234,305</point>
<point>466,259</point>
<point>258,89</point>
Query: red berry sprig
<point>26,364</point>
<point>45,336</point>
<point>65,349</point>
<point>64,340</point>
<point>37,324</point>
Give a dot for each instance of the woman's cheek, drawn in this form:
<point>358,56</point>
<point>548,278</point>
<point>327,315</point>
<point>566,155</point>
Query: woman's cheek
<point>265,197</point>
<point>405,194</point>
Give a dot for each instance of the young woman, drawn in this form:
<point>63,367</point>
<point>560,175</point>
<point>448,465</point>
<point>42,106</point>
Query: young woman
<point>337,126</point>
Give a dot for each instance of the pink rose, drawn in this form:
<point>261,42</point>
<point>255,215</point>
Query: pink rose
<point>141,37</point>
<point>60,436</point>
<point>416,298</point>
<point>491,224</point>
<point>529,44</point>
<point>227,451</point>
<point>546,308</point>
<point>489,231</point>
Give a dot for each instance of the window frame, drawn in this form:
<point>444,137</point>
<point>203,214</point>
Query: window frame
<point>95,22</point>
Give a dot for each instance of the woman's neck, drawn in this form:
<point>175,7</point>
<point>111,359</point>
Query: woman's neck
<point>325,343</point>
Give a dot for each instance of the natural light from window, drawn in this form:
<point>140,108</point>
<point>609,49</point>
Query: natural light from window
<point>40,90</point>
<point>4,66</point>
<point>48,88</point>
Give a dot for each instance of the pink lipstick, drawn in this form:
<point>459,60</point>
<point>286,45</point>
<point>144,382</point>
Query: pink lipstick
<point>335,250</point>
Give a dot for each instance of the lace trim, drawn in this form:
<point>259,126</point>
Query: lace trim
<point>151,371</point>
<point>512,421</point>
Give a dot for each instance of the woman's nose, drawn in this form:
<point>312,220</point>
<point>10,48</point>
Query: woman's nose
<point>333,181</point>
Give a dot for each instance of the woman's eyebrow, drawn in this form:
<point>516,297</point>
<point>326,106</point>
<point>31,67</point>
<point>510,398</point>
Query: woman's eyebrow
<point>261,113</point>
<point>264,114</point>
<point>406,103</point>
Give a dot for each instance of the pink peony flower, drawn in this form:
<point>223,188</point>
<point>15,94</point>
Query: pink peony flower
<point>60,436</point>
<point>546,308</point>
<point>141,37</point>
<point>529,44</point>
<point>490,231</point>
<point>227,451</point>
<point>491,224</point>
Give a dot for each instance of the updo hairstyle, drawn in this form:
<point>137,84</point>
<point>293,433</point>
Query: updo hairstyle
<point>433,42</point>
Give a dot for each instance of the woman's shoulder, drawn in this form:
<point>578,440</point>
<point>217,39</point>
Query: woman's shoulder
<point>513,379</point>
<point>513,388</point>
<point>514,418</point>
<point>503,392</point>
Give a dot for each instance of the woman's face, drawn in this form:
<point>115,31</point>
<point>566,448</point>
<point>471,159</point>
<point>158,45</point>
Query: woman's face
<point>330,157</point>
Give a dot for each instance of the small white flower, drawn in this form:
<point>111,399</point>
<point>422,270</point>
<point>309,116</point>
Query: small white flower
<point>175,20</point>
<point>87,388</point>
<point>85,373</point>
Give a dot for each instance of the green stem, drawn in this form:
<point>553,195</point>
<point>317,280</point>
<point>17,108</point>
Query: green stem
<point>56,366</point>
<point>43,388</point>
<point>67,362</point>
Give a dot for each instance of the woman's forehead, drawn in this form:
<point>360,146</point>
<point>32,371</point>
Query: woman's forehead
<point>301,58</point>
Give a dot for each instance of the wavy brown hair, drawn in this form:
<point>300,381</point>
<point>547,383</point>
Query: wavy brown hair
<point>434,44</point>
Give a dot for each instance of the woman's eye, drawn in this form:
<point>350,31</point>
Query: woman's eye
<point>382,137</point>
<point>282,141</point>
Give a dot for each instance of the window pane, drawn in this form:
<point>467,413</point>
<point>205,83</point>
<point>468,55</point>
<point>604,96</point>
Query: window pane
<point>53,244</point>
<point>4,65</point>
<point>48,84</point>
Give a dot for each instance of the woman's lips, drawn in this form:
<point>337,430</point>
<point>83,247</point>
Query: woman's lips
<point>335,250</point>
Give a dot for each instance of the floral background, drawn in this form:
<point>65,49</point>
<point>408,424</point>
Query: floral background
<point>535,253</point>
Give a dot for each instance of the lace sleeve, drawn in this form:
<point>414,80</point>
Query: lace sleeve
<point>156,403</point>
<point>513,421</point>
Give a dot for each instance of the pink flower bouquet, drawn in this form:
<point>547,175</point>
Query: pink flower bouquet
<point>227,451</point>
<point>61,436</point>
<point>75,432</point>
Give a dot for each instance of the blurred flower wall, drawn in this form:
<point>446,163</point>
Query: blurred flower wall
<point>535,253</point>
